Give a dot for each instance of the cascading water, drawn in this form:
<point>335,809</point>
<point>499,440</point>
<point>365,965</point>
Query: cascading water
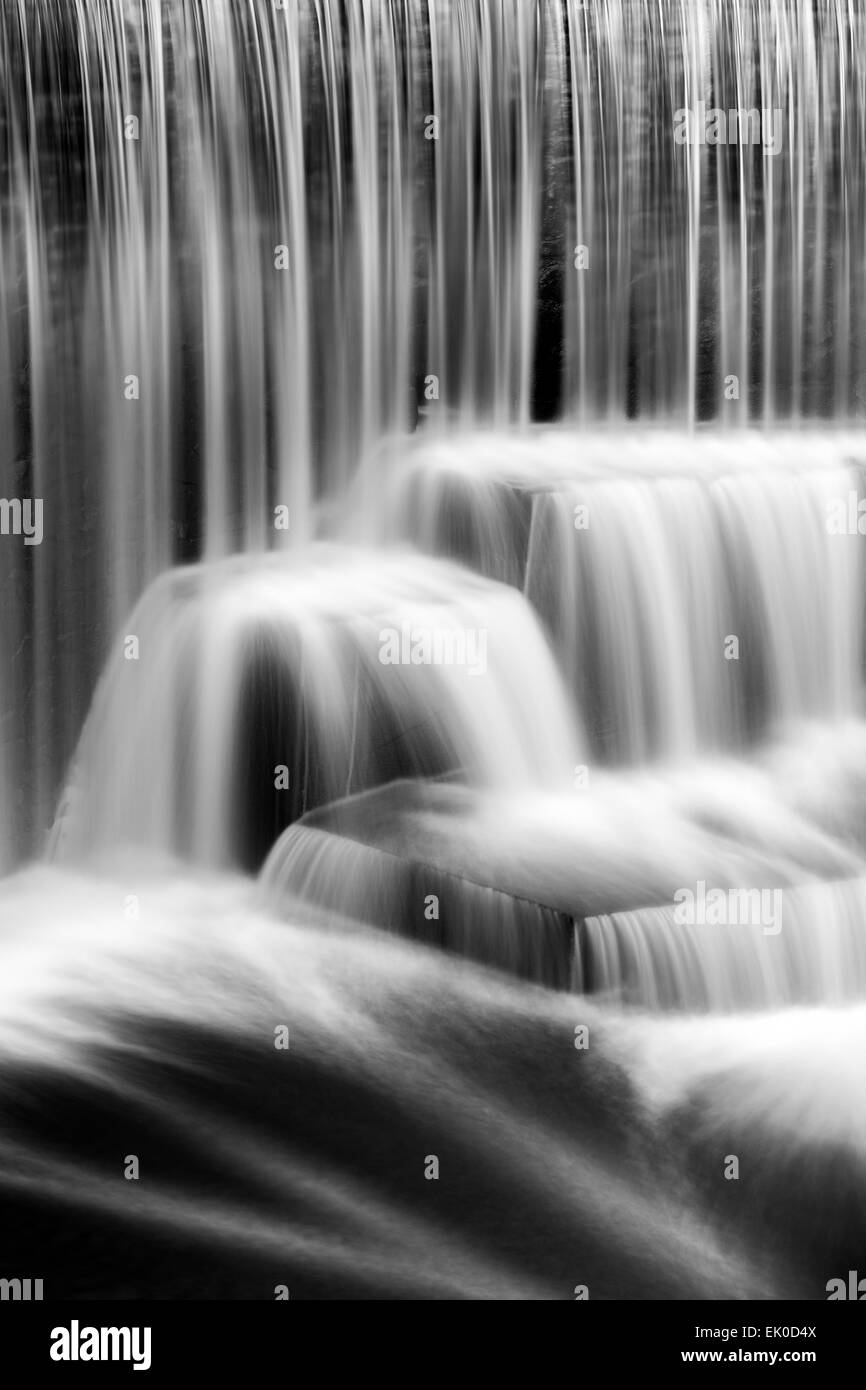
<point>252,668</point>
<point>233,260</point>
<point>644,555</point>
<point>438,421</point>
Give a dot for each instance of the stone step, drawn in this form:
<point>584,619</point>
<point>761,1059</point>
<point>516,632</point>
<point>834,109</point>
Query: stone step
<point>584,894</point>
<point>700,591</point>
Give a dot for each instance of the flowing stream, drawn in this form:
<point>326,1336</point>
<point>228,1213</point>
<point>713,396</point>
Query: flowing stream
<point>432,627</point>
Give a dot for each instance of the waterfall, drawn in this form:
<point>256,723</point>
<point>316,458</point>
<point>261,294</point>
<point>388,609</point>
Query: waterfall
<point>258,689</point>
<point>580,892</point>
<point>430,537</point>
<point>644,554</point>
<point>242,243</point>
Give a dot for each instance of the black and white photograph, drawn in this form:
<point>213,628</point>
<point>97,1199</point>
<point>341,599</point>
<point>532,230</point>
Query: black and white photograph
<point>432,662</point>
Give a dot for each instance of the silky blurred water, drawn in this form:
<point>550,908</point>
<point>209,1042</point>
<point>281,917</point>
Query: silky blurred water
<point>305,1167</point>
<point>324,327</point>
<point>232,262</point>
